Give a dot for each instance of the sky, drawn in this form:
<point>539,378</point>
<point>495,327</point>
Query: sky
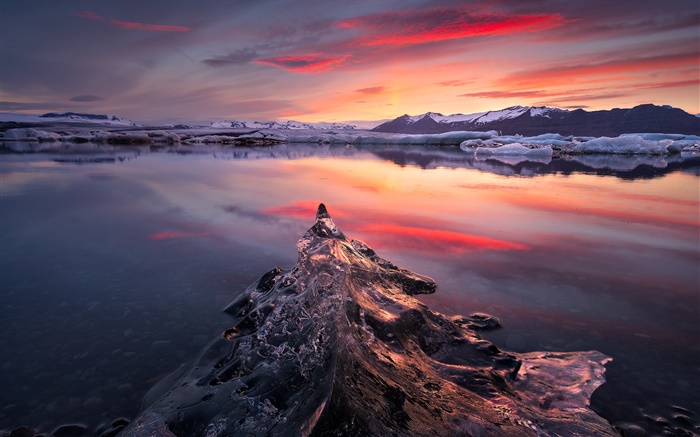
<point>344,60</point>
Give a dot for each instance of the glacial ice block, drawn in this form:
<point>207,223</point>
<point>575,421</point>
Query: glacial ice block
<point>337,346</point>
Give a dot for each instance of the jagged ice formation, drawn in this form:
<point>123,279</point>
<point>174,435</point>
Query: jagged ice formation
<point>337,346</point>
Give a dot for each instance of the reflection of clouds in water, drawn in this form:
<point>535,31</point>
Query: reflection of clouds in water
<point>382,230</point>
<point>604,255</point>
<point>622,163</point>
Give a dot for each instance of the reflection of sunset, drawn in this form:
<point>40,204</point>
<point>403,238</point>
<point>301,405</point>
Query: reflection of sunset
<point>680,212</point>
<point>382,232</point>
<point>409,237</point>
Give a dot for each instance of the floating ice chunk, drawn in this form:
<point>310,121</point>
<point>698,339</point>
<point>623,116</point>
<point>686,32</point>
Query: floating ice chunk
<point>545,137</point>
<point>515,149</point>
<point>211,139</point>
<point>656,136</point>
<point>77,138</point>
<point>28,134</point>
<point>471,144</point>
<point>632,145</point>
<point>134,137</point>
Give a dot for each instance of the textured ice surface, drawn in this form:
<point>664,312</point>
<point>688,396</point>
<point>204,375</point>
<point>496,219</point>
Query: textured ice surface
<point>631,144</point>
<point>515,149</point>
<point>337,346</point>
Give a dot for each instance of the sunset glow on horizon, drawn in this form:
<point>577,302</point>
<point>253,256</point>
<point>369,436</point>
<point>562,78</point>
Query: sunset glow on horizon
<point>344,61</point>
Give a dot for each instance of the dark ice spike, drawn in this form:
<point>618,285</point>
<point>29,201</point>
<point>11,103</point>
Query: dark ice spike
<point>322,212</point>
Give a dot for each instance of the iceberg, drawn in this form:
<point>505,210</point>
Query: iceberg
<point>337,345</point>
<point>631,144</point>
<point>515,149</point>
<point>29,134</point>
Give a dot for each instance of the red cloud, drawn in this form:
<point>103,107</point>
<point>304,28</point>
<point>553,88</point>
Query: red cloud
<point>133,25</point>
<point>169,235</point>
<point>438,24</point>
<point>143,26</point>
<point>309,63</point>
<point>371,90</point>
<point>89,15</point>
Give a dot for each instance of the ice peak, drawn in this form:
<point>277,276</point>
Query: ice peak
<point>324,228</point>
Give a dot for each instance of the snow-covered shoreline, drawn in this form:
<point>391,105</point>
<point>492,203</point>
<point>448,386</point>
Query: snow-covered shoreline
<point>488,143</point>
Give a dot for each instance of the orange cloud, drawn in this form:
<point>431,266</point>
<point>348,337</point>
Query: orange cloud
<point>421,26</point>
<point>455,82</point>
<point>309,63</point>
<point>568,74</point>
<point>506,94</point>
<point>552,97</point>
<point>667,84</point>
<point>371,90</point>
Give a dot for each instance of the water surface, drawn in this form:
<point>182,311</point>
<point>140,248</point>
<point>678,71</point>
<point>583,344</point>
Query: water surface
<point>116,265</point>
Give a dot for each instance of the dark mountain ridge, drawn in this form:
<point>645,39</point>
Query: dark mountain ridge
<point>536,121</point>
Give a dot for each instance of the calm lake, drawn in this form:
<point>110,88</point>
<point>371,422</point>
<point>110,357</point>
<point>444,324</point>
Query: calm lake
<point>116,264</point>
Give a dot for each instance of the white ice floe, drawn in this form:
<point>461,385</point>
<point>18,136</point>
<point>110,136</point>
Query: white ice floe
<point>367,138</point>
<point>482,143</point>
<point>29,134</point>
<point>515,149</point>
<point>630,145</point>
<point>659,136</point>
<point>535,141</point>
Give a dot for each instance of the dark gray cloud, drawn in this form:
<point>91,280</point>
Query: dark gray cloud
<point>371,90</point>
<point>86,98</point>
<point>237,57</point>
<point>29,106</point>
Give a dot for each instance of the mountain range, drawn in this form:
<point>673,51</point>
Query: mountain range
<point>536,120</point>
<point>285,125</point>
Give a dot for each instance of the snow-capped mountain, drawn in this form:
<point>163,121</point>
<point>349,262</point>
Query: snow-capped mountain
<point>536,120</point>
<point>65,117</point>
<point>90,118</point>
<point>286,125</point>
<point>478,118</point>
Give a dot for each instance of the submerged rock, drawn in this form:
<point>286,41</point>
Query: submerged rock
<point>337,346</point>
